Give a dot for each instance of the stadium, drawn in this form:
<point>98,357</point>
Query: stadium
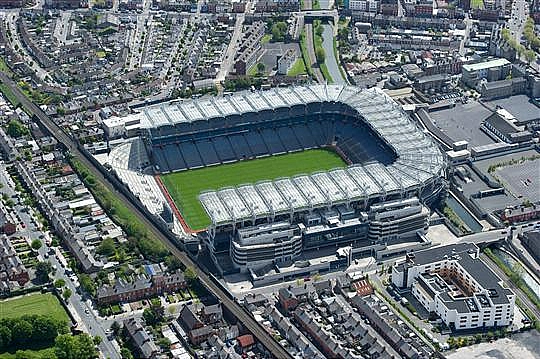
<point>288,170</point>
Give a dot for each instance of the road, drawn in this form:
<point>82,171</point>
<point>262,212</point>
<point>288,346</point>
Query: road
<point>243,316</point>
<point>230,53</point>
<point>519,294</point>
<point>516,23</point>
<point>311,53</point>
<point>330,58</point>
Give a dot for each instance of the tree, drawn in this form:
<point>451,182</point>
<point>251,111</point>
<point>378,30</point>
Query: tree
<point>260,68</point>
<point>279,29</point>
<point>319,54</point>
<point>43,269</point>
<point>172,263</point>
<point>75,347</point>
<point>97,340</point>
<point>530,56</point>
<point>87,284</point>
<point>115,327</point>
<point>5,337</point>
<point>59,283</point>
<point>16,129</point>
<point>106,247</point>
<point>191,275</point>
<point>126,354</point>
<point>21,332</point>
<point>67,294</point>
<point>154,315</point>
<point>36,244</point>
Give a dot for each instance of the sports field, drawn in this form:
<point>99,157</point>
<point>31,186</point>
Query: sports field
<point>36,303</point>
<point>185,187</point>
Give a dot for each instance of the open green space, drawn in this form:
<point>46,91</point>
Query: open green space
<point>185,187</point>
<point>266,38</point>
<point>305,53</point>
<point>37,303</point>
<point>477,4</point>
<point>8,94</point>
<point>298,68</point>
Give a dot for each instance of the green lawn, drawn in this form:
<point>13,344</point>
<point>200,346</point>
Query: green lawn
<point>8,94</point>
<point>477,4</point>
<point>304,50</point>
<point>298,68</point>
<point>266,38</point>
<point>185,187</point>
<point>326,73</point>
<point>36,303</point>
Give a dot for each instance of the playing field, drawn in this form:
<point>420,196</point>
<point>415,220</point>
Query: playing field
<point>36,303</point>
<point>185,187</point>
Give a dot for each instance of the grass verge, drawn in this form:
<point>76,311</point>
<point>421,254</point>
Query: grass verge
<point>305,53</point>
<point>298,68</point>
<point>515,276</point>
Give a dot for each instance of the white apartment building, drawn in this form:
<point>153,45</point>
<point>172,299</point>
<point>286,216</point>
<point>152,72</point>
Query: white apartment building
<point>452,282</point>
<point>364,5</point>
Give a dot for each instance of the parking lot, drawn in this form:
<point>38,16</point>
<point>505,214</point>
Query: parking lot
<point>462,122</point>
<point>522,180</point>
<point>523,346</point>
<point>520,106</point>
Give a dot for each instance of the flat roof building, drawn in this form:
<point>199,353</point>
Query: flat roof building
<point>452,282</point>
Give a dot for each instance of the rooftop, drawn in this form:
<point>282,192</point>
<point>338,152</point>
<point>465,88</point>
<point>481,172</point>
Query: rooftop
<point>486,65</point>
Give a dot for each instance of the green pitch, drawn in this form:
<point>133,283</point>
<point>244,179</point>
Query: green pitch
<point>185,187</point>
<point>36,303</point>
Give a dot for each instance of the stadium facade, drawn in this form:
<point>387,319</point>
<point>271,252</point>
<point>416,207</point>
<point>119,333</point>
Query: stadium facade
<point>394,169</point>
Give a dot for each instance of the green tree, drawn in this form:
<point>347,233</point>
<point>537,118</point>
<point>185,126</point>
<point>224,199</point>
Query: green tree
<point>36,244</point>
<point>81,346</point>
<point>115,327</point>
<point>66,294</point>
<point>43,269</point>
<point>125,353</point>
<point>21,332</point>
<point>260,68</point>
<point>97,340</point>
<point>59,283</point>
<point>5,337</point>
<point>16,129</point>
<point>154,315</point>
<point>278,30</point>
<point>173,263</point>
<point>320,55</point>
<point>190,274</point>
<point>87,284</point>
<point>106,247</point>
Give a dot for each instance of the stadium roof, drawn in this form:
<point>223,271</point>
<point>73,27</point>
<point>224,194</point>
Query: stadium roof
<point>419,161</point>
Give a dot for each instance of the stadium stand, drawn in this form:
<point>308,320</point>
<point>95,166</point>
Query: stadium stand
<point>363,126</point>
